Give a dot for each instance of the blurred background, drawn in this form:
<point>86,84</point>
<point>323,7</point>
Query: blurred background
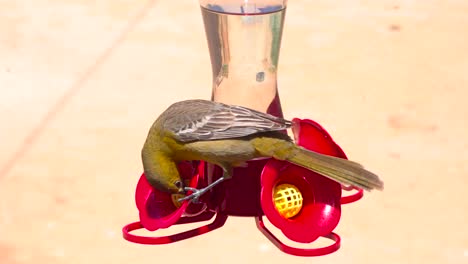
<point>82,81</point>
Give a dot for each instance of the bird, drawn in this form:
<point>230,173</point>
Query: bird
<point>229,136</point>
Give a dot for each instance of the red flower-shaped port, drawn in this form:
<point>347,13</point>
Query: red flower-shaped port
<point>159,209</point>
<point>321,207</point>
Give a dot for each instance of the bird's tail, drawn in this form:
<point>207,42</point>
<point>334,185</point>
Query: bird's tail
<point>341,170</point>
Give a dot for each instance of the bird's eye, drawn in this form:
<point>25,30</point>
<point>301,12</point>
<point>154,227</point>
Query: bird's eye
<point>179,184</point>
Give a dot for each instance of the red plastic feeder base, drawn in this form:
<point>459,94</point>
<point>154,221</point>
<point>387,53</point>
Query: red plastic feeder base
<point>303,252</point>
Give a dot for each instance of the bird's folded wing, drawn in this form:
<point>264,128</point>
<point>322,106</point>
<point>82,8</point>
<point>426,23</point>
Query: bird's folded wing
<point>206,120</point>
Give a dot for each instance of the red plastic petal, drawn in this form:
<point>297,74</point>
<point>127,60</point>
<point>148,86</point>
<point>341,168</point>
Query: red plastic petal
<point>310,135</point>
<point>320,211</point>
<point>156,208</point>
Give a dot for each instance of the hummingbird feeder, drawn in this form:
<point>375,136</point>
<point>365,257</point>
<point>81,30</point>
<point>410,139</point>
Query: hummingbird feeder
<point>244,39</point>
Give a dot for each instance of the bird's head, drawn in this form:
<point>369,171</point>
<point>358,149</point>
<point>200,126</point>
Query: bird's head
<point>162,173</point>
<point>169,185</point>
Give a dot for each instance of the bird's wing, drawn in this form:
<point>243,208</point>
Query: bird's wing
<point>206,120</point>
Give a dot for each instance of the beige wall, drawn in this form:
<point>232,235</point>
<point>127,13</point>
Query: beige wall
<point>81,82</point>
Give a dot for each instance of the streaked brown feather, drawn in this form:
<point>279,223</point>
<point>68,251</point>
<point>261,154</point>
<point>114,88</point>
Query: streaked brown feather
<point>194,120</point>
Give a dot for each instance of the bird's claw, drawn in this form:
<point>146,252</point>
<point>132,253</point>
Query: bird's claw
<point>196,193</point>
<point>195,196</point>
<point>190,189</point>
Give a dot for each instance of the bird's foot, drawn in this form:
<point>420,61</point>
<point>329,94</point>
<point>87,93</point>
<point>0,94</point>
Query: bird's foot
<point>196,193</point>
<point>195,196</point>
